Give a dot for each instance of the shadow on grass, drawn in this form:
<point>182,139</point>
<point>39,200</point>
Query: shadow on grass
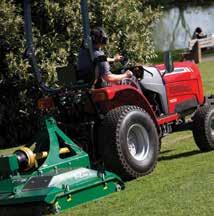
<point>181,155</point>
<point>167,151</point>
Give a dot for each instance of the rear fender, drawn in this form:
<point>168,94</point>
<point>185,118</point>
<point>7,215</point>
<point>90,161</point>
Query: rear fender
<point>111,97</point>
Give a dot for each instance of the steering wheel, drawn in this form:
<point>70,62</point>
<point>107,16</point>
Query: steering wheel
<point>125,65</point>
<point>131,81</point>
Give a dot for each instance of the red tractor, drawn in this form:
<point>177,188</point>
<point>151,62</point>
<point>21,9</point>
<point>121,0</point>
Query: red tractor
<point>121,126</point>
<point>134,116</point>
<point>116,128</point>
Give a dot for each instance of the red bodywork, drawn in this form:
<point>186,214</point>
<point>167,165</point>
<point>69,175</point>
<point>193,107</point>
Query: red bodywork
<point>184,85</point>
<point>119,95</point>
<point>183,88</point>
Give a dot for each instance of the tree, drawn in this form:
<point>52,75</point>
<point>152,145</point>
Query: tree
<point>57,32</point>
<point>11,39</point>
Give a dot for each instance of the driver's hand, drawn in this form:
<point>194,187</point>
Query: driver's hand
<point>118,58</point>
<point>129,74</point>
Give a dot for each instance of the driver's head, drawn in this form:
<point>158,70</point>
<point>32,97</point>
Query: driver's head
<point>99,36</point>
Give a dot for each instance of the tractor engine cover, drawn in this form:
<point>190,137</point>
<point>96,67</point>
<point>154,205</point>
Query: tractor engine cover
<point>179,91</point>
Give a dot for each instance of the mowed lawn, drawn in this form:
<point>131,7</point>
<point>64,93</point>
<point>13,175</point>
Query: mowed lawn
<point>182,183</point>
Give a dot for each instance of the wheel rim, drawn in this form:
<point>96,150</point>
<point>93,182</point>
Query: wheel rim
<point>138,142</point>
<point>212,126</point>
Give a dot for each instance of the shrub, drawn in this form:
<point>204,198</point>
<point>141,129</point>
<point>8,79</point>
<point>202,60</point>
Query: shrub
<point>57,32</point>
<point>11,39</point>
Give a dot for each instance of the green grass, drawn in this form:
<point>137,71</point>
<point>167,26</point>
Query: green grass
<point>182,183</point>
<point>207,71</point>
<point>177,55</point>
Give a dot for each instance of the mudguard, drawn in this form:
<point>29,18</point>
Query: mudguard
<point>119,95</point>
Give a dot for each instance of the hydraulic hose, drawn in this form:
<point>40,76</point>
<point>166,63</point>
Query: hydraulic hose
<point>87,42</point>
<point>30,52</point>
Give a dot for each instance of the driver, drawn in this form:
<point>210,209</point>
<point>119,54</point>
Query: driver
<point>102,66</point>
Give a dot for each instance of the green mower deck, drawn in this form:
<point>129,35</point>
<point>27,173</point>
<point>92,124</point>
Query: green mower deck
<point>58,183</point>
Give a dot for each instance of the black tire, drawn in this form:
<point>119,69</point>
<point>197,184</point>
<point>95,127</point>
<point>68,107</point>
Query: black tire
<point>119,144</point>
<point>203,128</point>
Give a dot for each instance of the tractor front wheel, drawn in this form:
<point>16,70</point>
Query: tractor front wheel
<point>128,142</point>
<point>203,128</point>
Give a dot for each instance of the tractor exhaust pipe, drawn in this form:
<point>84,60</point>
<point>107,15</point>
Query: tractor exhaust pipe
<point>30,52</point>
<point>168,62</point>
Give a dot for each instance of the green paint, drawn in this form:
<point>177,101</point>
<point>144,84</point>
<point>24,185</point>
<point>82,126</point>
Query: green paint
<point>9,165</point>
<point>58,182</point>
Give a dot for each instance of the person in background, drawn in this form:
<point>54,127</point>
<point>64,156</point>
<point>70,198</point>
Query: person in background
<point>198,34</point>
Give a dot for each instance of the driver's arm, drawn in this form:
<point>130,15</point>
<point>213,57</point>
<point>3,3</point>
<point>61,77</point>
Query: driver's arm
<point>109,77</point>
<point>117,58</point>
<point>105,73</point>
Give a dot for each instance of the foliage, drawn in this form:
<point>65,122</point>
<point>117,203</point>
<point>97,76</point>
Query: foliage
<point>18,116</point>
<point>129,26</point>
<point>11,39</point>
<point>57,32</point>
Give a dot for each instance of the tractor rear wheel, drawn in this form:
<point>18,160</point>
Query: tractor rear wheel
<point>128,142</point>
<point>203,128</point>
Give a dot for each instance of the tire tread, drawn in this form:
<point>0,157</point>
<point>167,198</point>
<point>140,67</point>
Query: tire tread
<point>112,154</point>
<point>200,128</point>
